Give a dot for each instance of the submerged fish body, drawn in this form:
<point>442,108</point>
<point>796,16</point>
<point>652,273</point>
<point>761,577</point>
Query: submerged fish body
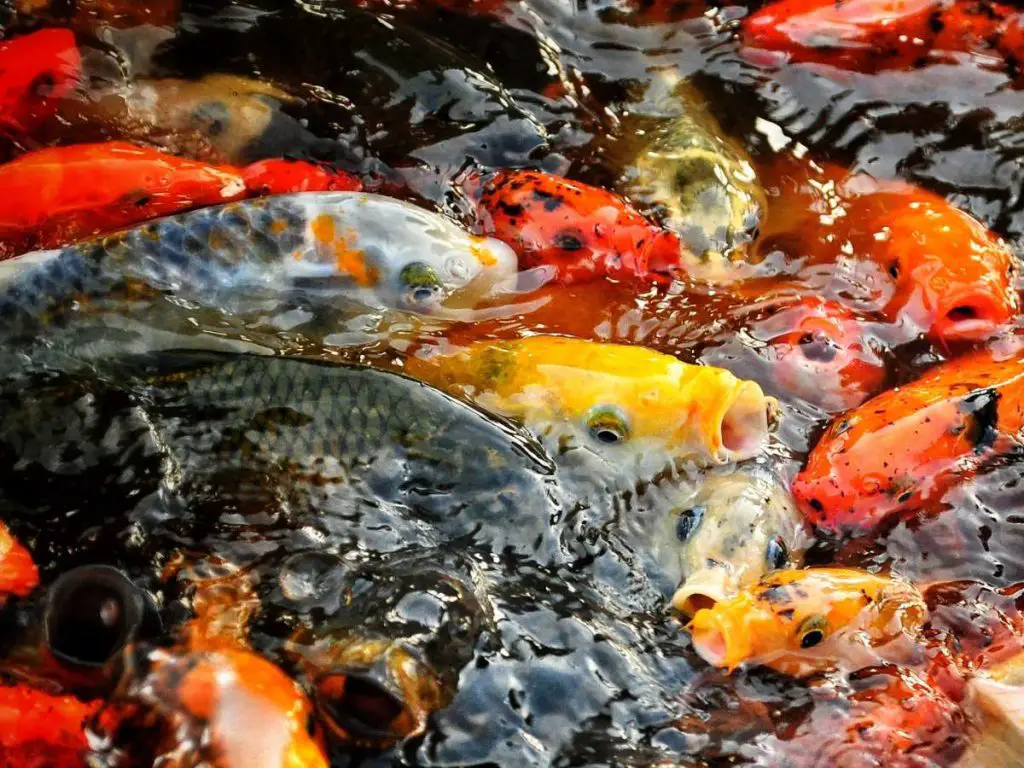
<point>636,410</point>
<point>260,254</point>
<point>700,184</point>
<point>349,438</point>
<point>803,621</point>
<point>739,526</point>
<point>903,449</point>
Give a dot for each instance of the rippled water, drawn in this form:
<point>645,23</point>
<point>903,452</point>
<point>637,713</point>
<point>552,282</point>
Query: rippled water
<point>546,613</point>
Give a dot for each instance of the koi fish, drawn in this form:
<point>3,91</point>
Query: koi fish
<point>220,118</point>
<point>18,573</point>
<point>819,351</point>
<point>875,35</point>
<point>42,730</point>
<point>908,446</point>
<point>576,231</point>
<point>940,270</point>
<point>119,14</point>
<point>37,71</point>
<point>225,708</point>
<point>60,195</point>
<point>700,184</point>
<point>625,404</point>
<point>738,527</point>
<point>328,246</point>
<point>799,622</point>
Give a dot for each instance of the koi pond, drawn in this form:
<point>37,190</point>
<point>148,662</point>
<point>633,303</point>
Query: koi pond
<point>511,383</point>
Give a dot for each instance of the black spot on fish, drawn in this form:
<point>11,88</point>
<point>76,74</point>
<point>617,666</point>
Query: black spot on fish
<point>982,411</point>
<point>775,595</point>
<point>568,242</point>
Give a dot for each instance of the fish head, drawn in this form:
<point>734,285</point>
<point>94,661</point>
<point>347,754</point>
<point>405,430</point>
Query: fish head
<point>437,280</point>
<point>954,280</point>
<point>739,527</point>
<point>798,622</point>
<point>891,454</point>
<point>637,411</point>
<point>401,256</point>
<point>226,708</point>
<point>820,352</point>
<point>39,70</point>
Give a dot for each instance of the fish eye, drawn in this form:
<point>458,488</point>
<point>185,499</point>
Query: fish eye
<point>212,118</point>
<point>420,284</point>
<point>688,522</point>
<point>777,553</point>
<point>607,424</point>
<point>812,630</point>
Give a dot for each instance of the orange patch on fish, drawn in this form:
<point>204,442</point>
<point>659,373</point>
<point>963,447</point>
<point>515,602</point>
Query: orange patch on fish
<point>349,259</point>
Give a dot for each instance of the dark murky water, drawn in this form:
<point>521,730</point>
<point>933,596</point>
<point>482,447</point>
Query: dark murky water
<point>556,642</point>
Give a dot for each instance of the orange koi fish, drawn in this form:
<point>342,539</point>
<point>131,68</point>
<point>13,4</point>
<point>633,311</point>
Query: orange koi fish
<point>875,35</point>
<point>908,446</point>
<point>36,72</point>
<point>576,231</point>
<point>63,194</point>
<point>803,621</point>
<point>939,270</point>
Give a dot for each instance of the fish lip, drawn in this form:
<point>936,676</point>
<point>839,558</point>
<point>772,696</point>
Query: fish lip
<point>710,638</point>
<point>984,315</point>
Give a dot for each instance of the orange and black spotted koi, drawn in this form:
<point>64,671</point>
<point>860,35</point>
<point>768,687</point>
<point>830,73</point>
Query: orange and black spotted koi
<point>576,231</point>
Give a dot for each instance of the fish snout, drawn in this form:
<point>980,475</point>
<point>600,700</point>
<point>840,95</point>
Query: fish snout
<point>717,638</point>
<point>704,589</point>
<point>971,315</point>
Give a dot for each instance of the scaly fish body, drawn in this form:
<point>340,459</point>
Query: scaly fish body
<point>343,246</point>
<point>240,426</point>
<point>803,621</point>
<point>575,231</point>
<point>906,447</point>
<point>738,527</point>
<point>629,405</point>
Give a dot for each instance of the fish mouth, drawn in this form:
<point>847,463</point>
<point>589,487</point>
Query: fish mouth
<point>358,705</point>
<point>375,693</point>
<point>971,317</point>
<point>710,633</point>
<point>745,424</point>
<point>497,265</point>
<point>704,590</point>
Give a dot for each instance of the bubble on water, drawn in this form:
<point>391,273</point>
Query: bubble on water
<point>313,580</point>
